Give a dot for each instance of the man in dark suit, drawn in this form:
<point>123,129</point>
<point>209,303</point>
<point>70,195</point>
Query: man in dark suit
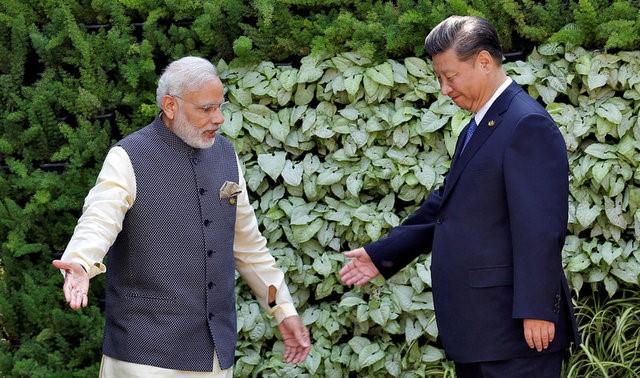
<point>496,227</point>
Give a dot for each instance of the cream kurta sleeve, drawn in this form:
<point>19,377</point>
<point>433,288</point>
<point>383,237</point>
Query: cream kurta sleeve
<point>103,212</point>
<point>253,260</point>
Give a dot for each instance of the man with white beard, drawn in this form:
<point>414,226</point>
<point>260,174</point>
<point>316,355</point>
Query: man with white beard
<point>170,206</point>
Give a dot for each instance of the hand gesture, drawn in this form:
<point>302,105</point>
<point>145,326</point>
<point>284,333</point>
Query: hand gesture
<point>76,283</point>
<point>360,269</point>
<point>296,339</point>
<point>538,333</point>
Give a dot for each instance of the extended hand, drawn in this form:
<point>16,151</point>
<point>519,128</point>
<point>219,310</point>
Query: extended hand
<point>360,269</point>
<point>538,333</point>
<point>296,339</point>
<point>76,283</point>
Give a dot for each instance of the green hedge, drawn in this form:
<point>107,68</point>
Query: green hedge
<point>101,32</point>
<point>335,152</point>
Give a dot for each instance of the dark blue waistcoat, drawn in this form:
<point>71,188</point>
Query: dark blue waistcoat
<point>170,299</point>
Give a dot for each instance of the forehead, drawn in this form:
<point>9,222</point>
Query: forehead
<point>447,61</point>
<point>211,89</point>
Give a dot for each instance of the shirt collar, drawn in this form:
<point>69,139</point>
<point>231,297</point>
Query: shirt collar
<point>485,108</point>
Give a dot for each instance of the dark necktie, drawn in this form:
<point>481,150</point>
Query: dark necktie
<point>472,129</point>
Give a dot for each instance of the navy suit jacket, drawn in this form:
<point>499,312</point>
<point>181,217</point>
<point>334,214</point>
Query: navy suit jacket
<point>496,228</point>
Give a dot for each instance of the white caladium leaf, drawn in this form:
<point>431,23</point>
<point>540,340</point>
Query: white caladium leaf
<point>610,112</point>
<point>399,72</point>
<point>412,330</point>
<point>309,72</point>
<point>370,86</point>
<point>292,173</point>
<point>610,285</point>
<point>381,74</point>
<point>251,79</point>
<point>272,164</point>
<point>586,215</point>
<point>304,233</point>
<point>432,354</point>
<point>304,94</point>
<point>279,130</point>
<point>330,176</point>
<point>233,125</point>
<point>601,151</point>
<point>322,265</point>
<point>417,67</point>
<point>578,263</point>
<point>627,271</point>
<point>369,355</point>
<point>614,212</point>
<point>349,113</point>
<point>595,80</point>
<point>352,83</point>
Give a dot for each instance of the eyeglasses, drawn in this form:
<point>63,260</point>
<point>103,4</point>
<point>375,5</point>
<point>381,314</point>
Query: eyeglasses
<point>207,109</point>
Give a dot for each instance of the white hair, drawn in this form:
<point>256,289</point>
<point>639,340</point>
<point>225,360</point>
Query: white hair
<point>184,74</point>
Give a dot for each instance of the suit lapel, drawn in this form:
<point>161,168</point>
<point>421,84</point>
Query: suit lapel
<point>483,132</point>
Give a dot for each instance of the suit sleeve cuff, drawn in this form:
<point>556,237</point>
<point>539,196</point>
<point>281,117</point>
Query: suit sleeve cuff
<point>283,311</point>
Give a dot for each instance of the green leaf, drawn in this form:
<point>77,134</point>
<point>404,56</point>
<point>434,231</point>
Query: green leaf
<point>351,302</point>
<point>306,232</point>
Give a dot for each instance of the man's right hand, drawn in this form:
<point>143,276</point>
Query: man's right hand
<point>76,283</point>
<point>360,269</point>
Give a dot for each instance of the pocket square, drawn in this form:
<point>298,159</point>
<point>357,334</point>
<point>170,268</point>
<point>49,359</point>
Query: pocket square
<point>230,190</point>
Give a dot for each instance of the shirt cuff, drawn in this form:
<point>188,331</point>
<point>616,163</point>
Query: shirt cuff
<point>92,270</point>
<point>283,311</point>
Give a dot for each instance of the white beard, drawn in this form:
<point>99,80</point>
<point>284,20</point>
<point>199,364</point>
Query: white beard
<point>189,133</point>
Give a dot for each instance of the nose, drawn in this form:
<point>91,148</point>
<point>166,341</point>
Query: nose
<point>445,89</point>
<point>217,117</point>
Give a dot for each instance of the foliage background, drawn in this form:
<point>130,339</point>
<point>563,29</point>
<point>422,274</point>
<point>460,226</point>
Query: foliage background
<point>346,133</point>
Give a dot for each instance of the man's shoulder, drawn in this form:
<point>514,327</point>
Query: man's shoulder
<point>524,107</point>
<point>135,137</point>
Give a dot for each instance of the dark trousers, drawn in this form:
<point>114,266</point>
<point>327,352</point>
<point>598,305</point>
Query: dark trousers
<point>546,365</point>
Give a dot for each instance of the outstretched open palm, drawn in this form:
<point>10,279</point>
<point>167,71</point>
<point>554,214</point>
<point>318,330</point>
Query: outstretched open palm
<point>297,343</point>
<point>76,283</point>
<point>360,269</point>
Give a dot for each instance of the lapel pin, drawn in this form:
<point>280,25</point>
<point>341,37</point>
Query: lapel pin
<point>491,123</point>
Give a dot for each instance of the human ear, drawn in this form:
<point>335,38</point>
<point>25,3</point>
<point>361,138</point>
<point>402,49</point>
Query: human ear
<point>169,106</point>
<point>485,60</point>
